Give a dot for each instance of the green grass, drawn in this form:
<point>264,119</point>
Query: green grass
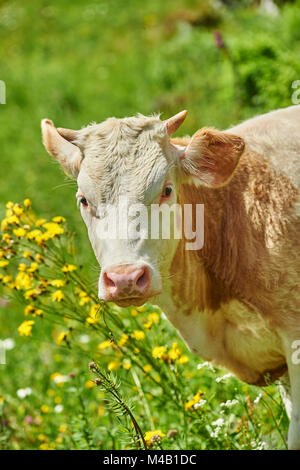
<point>85,61</point>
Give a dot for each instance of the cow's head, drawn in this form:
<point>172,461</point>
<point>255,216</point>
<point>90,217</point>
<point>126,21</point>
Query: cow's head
<point>134,161</point>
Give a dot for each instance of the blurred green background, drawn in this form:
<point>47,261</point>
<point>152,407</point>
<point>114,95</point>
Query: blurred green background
<point>83,61</point>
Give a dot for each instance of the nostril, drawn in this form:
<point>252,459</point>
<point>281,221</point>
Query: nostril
<point>143,279</point>
<point>108,281</point>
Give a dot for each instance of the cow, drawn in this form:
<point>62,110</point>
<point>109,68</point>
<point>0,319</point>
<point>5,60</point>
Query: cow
<point>235,301</point>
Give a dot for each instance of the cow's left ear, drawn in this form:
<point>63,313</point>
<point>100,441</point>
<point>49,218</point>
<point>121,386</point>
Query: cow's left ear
<point>212,156</point>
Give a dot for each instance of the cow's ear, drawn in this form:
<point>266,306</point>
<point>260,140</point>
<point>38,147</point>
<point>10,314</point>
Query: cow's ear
<point>58,143</point>
<point>212,156</point>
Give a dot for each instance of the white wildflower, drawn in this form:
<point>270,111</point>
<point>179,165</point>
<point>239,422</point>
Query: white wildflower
<point>61,379</point>
<point>229,403</point>
<point>84,339</point>
<point>24,392</point>
<point>257,399</point>
<point>58,408</point>
<point>224,377</point>
<point>219,422</point>
<point>205,364</point>
<point>199,404</point>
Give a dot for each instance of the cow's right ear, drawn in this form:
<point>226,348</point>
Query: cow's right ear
<point>58,143</point>
<point>212,156</point>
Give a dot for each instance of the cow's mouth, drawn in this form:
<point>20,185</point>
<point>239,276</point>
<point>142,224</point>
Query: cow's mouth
<point>133,301</point>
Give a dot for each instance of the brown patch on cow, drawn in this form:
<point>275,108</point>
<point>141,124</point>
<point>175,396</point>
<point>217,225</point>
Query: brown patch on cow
<point>198,286</point>
<point>251,245</point>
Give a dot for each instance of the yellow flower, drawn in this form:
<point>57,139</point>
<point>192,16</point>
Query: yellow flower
<point>113,365</point>
<point>38,257</point>
<point>33,234</point>
<point>31,294</point>
<point>138,335</point>
<point>53,229</point>
<point>189,405</point>
<point>134,312</point>
<point>57,400</point>
<point>55,375</point>
<point>6,238</point>
<point>84,300</point>
<point>105,344</point>
<point>29,309</point>
<point>11,220</point>
<point>33,267</point>
<point>22,267</point>
<point>158,352</point>
<point>27,254</point>
<point>19,232</point>
<point>3,263</point>
<point>6,279</point>
<point>59,219</point>
<point>183,359</point>
<point>4,225</point>
<point>27,203</point>
<point>147,368</point>
<point>2,253</point>
<point>89,384</point>
<point>101,410</point>
<point>18,210</point>
<point>94,314</point>
<point>58,282</point>
<point>63,428</point>
<point>61,337</point>
<point>68,268</point>
<point>25,328</point>
<point>45,409</point>
<point>57,296</point>
<point>126,364</point>
<point>123,340</point>
<point>9,205</point>
<point>40,222</point>
<point>153,317</point>
<point>45,446</point>
<point>174,352</point>
<point>42,438</point>
<point>23,281</point>
<point>1,399</point>
<point>153,436</point>
<point>141,309</point>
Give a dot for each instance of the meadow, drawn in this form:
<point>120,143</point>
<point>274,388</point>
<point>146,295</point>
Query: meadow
<point>84,375</point>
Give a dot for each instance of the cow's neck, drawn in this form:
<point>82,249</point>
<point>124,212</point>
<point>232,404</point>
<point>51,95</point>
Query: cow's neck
<point>231,264</point>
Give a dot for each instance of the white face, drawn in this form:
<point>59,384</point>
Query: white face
<point>133,160</point>
<point>133,264</point>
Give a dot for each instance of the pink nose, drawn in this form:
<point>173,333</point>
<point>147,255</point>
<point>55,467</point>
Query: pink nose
<point>126,281</point>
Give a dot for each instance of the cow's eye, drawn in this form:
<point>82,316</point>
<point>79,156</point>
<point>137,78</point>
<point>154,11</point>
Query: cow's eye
<point>167,191</point>
<point>83,201</point>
